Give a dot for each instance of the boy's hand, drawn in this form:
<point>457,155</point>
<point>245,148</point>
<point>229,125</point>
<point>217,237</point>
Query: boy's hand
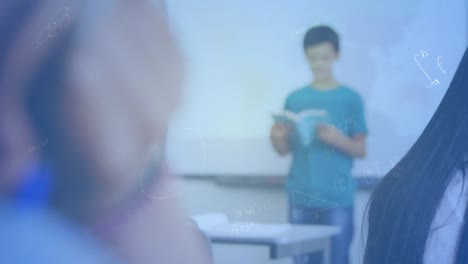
<point>279,137</point>
<point>280,131</point>
<point>329,134</point>
<point>354,146</point>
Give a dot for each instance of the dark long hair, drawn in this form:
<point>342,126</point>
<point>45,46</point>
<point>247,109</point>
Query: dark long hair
<point>402,207</point>
<point>21,60</point>
<point>42,88</point>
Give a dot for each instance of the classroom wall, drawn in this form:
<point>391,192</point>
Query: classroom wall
<point>244,57</point>
<point>252,204</point>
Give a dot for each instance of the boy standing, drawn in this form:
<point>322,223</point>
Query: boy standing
<point>319,184</point>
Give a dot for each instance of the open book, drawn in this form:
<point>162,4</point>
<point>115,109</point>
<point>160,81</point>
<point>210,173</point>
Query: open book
<point>302,124</point>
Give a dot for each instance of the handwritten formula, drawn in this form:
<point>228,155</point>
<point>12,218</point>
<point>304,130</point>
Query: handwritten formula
<point>54,26</point>
<point>423,54</point>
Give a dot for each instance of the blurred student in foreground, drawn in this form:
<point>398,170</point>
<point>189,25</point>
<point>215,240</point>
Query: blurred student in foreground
<point>99,80</point>
<point>417,214</point>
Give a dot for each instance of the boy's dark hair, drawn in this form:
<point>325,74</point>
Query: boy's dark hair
<point>320,34</point>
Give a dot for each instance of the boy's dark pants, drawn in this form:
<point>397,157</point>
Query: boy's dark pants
<point>339,216</point>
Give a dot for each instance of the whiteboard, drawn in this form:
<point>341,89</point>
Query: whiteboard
<point>244,57</point>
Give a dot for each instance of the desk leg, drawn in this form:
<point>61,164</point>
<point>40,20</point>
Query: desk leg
<point>326,251</point>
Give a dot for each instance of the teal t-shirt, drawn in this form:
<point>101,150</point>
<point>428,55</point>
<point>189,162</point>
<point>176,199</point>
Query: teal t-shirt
<point>320,175</point>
